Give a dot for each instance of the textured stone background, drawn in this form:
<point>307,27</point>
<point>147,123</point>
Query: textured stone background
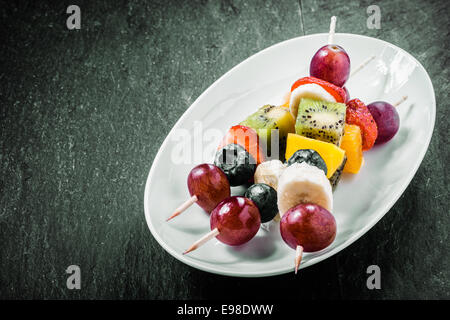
<point>83,114</point>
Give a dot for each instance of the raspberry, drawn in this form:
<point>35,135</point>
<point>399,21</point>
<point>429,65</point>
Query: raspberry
<point>358,114</point>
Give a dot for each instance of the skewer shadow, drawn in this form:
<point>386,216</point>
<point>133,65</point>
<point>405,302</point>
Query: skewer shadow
<point>261,246</point>
<point>190,222</point>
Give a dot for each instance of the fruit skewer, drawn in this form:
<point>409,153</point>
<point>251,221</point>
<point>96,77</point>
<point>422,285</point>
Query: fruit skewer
<point>310,225</point>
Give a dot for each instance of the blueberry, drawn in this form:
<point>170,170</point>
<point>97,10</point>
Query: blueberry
<point>237,164</point>
<point>309,156</point>
<point>265,198</point>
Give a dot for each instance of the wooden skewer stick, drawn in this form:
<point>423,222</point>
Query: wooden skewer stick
<point>214,232</point>
<point>332,30</point>
<point>362,65</point>
<point>400,101</point>
<point>298,257</point>
<point>189,202</point>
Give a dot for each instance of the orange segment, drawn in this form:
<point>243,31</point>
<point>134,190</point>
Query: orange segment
<point>352,144</point>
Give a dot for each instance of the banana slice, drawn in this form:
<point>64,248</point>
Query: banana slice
<point>268,172</point>
<point>303,183</point>
<point>309,90</point>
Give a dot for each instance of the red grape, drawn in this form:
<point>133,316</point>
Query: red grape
<point>237,219</point>
<point>308,225</point>
<point>387,119</point>
<point>331,63</point>
<point>209,184</point>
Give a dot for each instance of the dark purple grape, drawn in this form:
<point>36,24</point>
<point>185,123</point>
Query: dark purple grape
<point>331,63</point>
<point>387,119</point>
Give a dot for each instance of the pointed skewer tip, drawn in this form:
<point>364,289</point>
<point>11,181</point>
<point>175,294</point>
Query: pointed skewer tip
<point>189,202</point>
<point>332,30</point>
<point>298,257</point>
<point>400,101</point>
<point>214,232</point>
<point>362,65</point>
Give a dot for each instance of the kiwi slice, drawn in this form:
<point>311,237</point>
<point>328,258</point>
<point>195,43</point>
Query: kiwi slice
<point>269,118</point>
<point>321,120</point>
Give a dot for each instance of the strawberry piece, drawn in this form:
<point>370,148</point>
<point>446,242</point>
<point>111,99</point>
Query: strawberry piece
<point>358,114</point>
<point>338,93</point>
<point>245,137</point>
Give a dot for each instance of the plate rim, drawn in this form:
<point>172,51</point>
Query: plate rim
<point>286,269</point>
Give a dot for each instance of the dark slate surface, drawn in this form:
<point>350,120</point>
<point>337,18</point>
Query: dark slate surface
<point>84,112</point>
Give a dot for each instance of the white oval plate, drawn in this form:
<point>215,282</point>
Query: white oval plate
<point>360,200</point>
